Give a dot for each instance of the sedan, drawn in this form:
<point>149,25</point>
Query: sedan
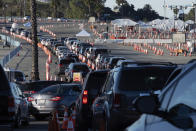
<point>54,97</point>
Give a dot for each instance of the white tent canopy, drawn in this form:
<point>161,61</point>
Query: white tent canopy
<point>15,25</point>
<point>123,22</point>
<point>83,33</point>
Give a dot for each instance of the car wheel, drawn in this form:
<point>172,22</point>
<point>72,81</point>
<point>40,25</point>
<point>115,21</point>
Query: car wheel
<point>18,121</point>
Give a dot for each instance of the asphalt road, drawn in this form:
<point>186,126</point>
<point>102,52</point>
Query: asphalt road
<point>35,126</point>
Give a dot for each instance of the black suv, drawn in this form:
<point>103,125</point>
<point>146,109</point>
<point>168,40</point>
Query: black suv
<point>113,109</point>
<point>91,87</point>
<point>7,105</point>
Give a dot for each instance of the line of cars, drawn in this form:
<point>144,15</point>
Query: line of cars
<point>114,97</point>
<point>111,98</point>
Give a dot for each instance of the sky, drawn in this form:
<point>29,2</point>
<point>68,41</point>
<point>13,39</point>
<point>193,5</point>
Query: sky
<point>156,5</point>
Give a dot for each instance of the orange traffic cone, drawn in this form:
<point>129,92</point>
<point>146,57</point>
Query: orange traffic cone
<point>65,119</point>
<point>70,126</point>
<point>73,115</point>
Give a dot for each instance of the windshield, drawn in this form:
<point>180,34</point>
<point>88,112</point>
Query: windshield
<point>95,82</point>
<point>144,79</point>
<point>67,61</point>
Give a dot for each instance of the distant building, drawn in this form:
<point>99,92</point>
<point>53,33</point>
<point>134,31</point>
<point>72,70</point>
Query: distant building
<point>44,1</point>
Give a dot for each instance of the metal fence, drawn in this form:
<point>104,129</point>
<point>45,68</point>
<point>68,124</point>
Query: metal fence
<point>11,54</point>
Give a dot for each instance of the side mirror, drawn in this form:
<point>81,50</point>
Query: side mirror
<point>146,104</point>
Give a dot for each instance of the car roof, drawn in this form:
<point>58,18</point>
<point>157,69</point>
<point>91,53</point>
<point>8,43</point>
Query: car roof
<point>146,65</point>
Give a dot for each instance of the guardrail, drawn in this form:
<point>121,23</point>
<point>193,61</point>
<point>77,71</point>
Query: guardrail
<point>11,54</point>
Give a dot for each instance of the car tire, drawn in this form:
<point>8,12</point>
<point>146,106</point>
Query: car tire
<point>18,120</point>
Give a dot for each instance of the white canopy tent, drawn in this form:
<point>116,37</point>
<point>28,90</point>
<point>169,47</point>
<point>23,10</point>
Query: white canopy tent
<point>15,25</point>
<point>83,33</point>
<point>123,22</point>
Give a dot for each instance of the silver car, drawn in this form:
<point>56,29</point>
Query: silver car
<point>54,97</point>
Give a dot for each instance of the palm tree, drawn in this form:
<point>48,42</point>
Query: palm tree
<point>35,71</point>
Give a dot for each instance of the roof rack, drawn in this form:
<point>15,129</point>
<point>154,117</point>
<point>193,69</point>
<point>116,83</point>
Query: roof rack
<point>148,63</point>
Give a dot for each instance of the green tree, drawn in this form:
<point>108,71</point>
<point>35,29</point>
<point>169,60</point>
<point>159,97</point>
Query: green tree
<point>190,15</point>
<point>55,4</point>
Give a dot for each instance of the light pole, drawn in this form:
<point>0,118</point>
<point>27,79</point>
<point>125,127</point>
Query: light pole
<point>35,70</point>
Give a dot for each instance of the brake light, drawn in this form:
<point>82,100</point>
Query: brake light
<point>32,92</point>
<point>30,99</point>
<point>84,100</point>
<point>57,98</point>
<point>85,97</point>
<point>11,106</point>
<point>60,65</point>
<point>85,92</point>
<point>116,100</point>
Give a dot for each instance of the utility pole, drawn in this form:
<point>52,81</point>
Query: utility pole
<point>35,71</point>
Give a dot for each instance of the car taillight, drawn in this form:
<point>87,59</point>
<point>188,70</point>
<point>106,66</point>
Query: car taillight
<point>11,106</point>
<point>60,65</point>
<point>116,100</point>
<point>30,99</point>
<point>57,98</point>
<point>84,100</point>
<point>85,97</point>
<point>85,92</point>
<point>32,92</point>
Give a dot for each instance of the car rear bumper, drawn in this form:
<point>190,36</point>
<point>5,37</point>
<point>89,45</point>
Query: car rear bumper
<point>41,110</point>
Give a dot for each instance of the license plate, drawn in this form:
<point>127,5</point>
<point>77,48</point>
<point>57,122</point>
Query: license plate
<point>41,102</point>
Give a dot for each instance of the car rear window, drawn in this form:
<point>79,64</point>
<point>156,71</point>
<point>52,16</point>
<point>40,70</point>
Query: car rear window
<point>71,90</point>
<point>67,61</point>
<point>79,68</point>
<point>37,86</point>
<point>95,82</point>
<point>49,90</point>
<point>144,79</point>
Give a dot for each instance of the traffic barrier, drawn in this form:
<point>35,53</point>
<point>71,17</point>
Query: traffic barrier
<point>190,54</point>
<point>73,116</point>
<point>47,71</point>
<point>55,78</point>
<point>65,120</point>
<point>70,126</point>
